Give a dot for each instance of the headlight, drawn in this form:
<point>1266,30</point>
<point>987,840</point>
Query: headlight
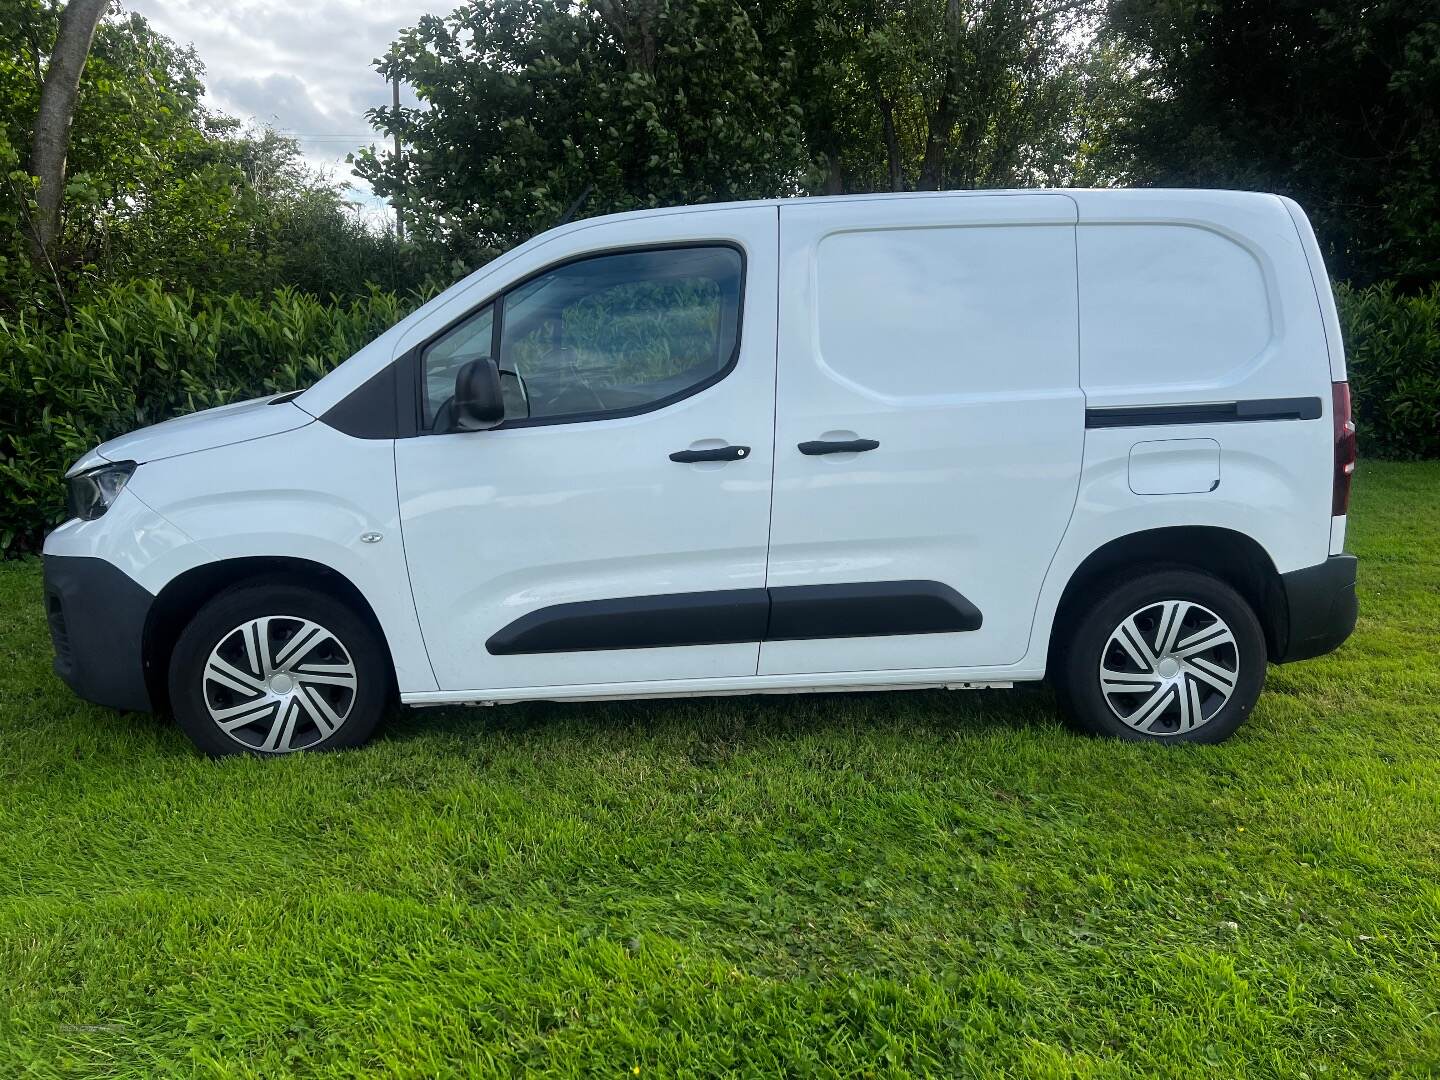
<point>90,494</point>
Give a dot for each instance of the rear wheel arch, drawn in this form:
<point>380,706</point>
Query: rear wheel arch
<point>1234,558</point>
<point>182,597</point>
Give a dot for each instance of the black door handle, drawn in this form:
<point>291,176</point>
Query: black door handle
<point>840,446</point>
<point>720,453</point>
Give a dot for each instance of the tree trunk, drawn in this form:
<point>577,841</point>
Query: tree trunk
<point>52,121</point>
<point>633,24</point>
<point>947,106</point>
<point>892,142</point>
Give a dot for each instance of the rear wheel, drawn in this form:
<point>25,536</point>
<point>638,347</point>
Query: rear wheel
<point>1170,655</point>
<point>276,669</point>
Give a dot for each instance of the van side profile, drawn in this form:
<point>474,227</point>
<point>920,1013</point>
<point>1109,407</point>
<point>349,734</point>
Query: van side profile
<point>881,442</point>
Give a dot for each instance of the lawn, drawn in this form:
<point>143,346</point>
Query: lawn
<point>880,884</point>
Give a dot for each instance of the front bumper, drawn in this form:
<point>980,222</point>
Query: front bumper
<point>1321,608</point>
<point>97,626</point>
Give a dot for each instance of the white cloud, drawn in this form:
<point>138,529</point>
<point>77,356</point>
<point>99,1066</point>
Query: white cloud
<point>304,68</point>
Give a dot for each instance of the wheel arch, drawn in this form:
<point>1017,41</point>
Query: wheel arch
<point>185,594</point>
<point>1238,560</point>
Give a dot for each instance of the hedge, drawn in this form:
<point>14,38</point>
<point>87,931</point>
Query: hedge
<point>137,355</point>
<point>1392,350</point>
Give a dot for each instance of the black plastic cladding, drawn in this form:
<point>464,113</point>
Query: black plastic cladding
<point>730,616</point>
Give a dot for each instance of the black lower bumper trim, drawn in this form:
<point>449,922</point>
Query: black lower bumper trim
<point>97,626</point>
<point>1321,607</point>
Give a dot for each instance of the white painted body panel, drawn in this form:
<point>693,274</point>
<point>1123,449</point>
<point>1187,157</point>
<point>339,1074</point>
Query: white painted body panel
<point>310,493</point>
<point>238,422</point>
<point>946,330</point>
<point>501,523</point>
<point>132,536</point>
<point>986,478</point>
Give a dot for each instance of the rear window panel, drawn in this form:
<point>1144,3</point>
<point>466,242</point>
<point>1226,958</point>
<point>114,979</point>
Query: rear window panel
<point>1168,304</point>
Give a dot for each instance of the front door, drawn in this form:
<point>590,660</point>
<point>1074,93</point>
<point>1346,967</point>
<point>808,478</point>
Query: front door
<point>930,426</point>
<point>613,529</point>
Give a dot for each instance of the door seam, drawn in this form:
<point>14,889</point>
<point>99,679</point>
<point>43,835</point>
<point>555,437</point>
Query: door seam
<point>774,435</point>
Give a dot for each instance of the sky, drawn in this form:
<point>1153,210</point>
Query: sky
<point>303,67</point>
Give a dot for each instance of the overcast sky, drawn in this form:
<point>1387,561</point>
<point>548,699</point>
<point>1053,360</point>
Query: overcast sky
<point>303,67</point>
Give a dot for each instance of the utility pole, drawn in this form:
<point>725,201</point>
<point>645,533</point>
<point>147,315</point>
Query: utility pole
<point>399,213</point>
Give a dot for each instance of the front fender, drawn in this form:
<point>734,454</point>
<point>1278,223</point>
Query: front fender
<point>313,494</point>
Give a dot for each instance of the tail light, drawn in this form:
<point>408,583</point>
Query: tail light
<point>1345,448</point>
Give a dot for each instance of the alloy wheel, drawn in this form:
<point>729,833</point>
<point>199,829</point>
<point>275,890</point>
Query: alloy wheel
<point>1169,667</point>
<point>279,683</point>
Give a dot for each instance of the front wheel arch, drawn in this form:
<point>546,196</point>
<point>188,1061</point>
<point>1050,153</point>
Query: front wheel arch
<point>183,596</point>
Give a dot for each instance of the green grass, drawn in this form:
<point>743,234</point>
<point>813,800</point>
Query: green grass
<point>894,884</point>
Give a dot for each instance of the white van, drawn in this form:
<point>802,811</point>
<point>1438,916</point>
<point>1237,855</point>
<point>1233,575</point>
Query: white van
<point>955,440</point>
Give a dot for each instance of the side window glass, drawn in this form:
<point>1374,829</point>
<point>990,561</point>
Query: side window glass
<point>616,333</point>
<point>443,359</point>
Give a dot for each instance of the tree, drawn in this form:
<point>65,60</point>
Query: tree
<point>52,120</point>
<point>159,187</point>
<point>531,102</point>
<point>1334,103</point>
<point>927,94</point>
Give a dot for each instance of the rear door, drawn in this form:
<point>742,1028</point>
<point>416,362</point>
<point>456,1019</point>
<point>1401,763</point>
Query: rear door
<point>929,429</point>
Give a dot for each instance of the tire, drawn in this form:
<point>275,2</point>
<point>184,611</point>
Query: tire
<point>240,684</point>
<point>1187,642</point>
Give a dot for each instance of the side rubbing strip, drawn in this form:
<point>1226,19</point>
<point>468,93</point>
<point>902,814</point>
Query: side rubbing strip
<point>1219,412</point>
<point>868,609</point>
<point>638,622</point>
<point>728,616</point>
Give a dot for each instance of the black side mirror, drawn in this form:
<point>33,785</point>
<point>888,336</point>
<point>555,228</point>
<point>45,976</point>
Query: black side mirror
<point>479,402</point>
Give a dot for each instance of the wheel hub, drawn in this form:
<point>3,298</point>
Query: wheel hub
<point>1169,667</point>
<point>279,683</point>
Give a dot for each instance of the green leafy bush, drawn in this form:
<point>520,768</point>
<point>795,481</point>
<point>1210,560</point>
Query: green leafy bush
<point>1392,349</point>
<point>137,355</point>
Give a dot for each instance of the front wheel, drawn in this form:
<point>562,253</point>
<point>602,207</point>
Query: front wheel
<point>1170,655</point>
<point>275,669</point>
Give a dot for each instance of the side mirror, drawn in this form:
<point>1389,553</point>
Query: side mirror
<point>479,402</point>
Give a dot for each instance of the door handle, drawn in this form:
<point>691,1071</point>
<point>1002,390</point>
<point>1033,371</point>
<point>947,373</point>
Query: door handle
<point>719,453</point>
<point>837,446</point>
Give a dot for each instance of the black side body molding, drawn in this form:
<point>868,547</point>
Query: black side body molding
<point>1321,608</point>
<point>868,609</point>
<point>97,624</point>
<point>1220,412</point>
<point>731,616</point>
<point>725,616</point>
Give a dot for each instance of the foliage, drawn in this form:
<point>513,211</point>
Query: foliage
<point>934,883</point>
<point>1336,104</point>
<point>530,103</point>
<point>1392,350</point>
<point>939,94</point>
<point>138,354</point>
<point>161,188</point>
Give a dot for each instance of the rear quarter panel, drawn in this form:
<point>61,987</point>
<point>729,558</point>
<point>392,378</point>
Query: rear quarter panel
<point>1274,476</point>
